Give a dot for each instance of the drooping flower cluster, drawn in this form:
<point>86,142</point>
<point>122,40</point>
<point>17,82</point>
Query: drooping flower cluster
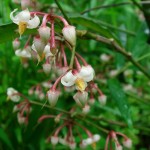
<point>68,139</point>
<point>50,48</point>
<point>113,135</point>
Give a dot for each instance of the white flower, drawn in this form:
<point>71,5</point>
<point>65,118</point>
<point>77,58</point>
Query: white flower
<point>13,94</point>
<point>127,143</point>
<point>47,68</point>
<point>80,79</point>
<point>81,98</point>
<point>96,137</point>
<point>102,99</point>
<point>53,97</point>
<point>44,33</point>
<point>25,53</point>
<point>23,19</point>
<point>54,140</point>
<point>69,34</point>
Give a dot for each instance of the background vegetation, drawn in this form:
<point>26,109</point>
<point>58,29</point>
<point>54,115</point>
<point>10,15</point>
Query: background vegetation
<point>122,20</point>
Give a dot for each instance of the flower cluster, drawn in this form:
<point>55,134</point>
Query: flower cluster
<point>69,139</point>
<point>48,47</point>
<point>113,135</point>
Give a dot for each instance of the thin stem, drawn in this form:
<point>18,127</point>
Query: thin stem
<point>72,57</point>
<point>61,9</point>
<point>47,106</point>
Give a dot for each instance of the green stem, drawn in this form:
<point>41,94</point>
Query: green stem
<point>66,17</point>
<point>47,106</point>
<point>72,57</point>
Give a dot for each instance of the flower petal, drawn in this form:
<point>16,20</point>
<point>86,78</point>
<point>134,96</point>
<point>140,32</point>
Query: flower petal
<point>68,79</point>
<point>14,19</point>
<point>34,22</point>
<point>87,73</point>
<point>23,16</point>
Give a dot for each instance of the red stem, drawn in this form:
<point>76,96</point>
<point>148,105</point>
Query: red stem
<point>62,19</point>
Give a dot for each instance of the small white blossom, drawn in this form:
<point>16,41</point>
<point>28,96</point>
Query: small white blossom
<point>96,137</point>
<point>69,34</point>
<point>80,79</point>
<point>24,20</point>
<point>13,94</point>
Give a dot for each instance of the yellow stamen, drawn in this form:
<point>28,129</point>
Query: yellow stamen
<point>80,84</point>
<point>94,146</point>
<point>22,27</point>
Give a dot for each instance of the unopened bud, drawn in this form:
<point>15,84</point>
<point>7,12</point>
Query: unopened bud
<point>86,109</point>
<point>25,4</point>
<point>44,33</point>
<point>47,68</point>
<point>54,140</point>
<point>53,97</point>
<point>16,44</point>
<point>69,34</point>
<point>102,99</point>
<point>127,143</point>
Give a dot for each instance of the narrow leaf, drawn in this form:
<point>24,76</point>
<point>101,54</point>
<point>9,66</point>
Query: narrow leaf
<point>5,139</point>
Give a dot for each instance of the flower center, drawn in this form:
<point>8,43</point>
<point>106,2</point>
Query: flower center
<point>22,27</point>
<point>81,85</point>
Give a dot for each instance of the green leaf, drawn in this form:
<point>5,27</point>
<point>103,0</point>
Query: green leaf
<point>92,25</point>
<point>9,32</point>
<point>5,139</point>
<point>120,98</point>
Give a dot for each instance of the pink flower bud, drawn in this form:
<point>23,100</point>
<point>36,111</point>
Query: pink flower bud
<point>44,33</point>
<point>69,34</point>
<point>53,97</point>
<point>86,109</point>
<point>25,4</point>
<point>16,44</point>
<point>127,143</point>
<point>47,68</point>
<point>102,99</point>
<point>54,140</point>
